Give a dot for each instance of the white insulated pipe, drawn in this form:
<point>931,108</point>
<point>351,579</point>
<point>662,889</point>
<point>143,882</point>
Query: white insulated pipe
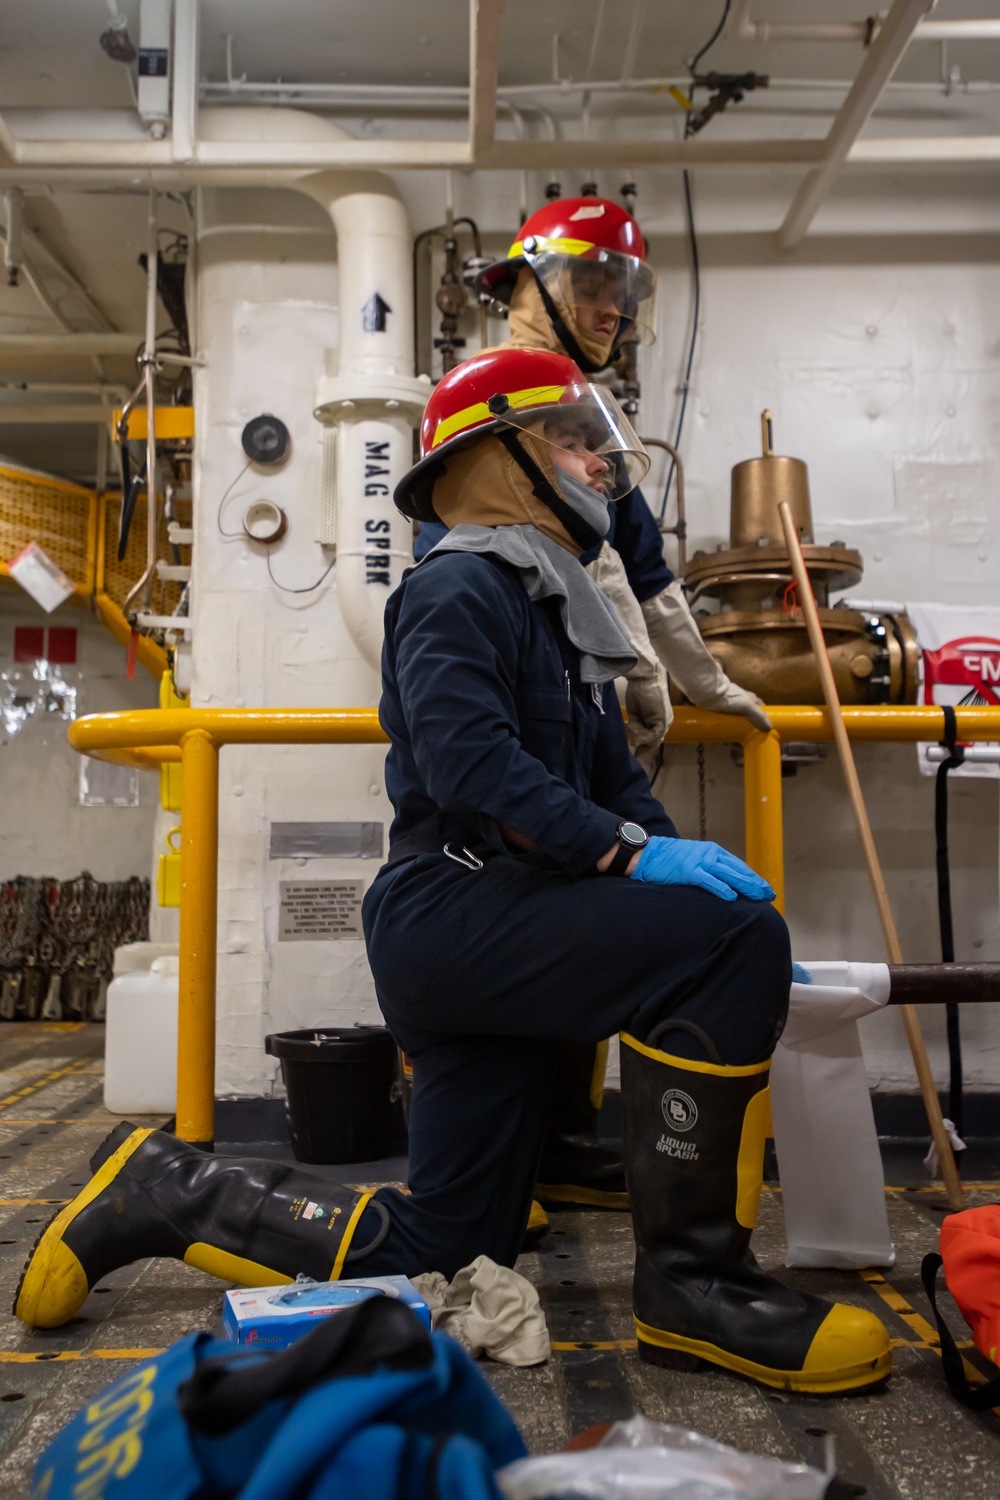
<point>373,398</point>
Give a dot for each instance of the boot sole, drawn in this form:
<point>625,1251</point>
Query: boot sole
<point>671,1352</point>
<point>581,1197</point>
<point>52,1261</point>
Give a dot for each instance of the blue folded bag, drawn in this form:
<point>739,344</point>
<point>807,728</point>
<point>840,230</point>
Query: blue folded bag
<point>368,1404</point>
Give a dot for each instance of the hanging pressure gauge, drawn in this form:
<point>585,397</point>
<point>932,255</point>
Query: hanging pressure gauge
<point>266,439</point>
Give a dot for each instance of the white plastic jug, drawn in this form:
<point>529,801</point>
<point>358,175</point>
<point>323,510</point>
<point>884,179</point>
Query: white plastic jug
<point>140,1047</point>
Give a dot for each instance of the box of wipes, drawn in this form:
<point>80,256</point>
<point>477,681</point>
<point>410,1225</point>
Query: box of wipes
<point>273,1317</point>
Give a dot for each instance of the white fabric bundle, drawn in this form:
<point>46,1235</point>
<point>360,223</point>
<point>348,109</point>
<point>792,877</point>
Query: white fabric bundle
<point>832,1182</point>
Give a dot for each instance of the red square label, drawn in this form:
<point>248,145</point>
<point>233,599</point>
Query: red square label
<point>62,645</point>
<point>29,642</point>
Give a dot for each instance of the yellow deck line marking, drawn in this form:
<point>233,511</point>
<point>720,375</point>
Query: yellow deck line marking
<point>63,1026</point>
<point>30,1202</point>
<point>15,1357</point>
<point>901,1307</point>
<point>929,1336</point>
<point>970,1187</point>
<point>587,1346</point>
<point>40,1083</point>
<point>43,1357</point>
<point>81,1120</point>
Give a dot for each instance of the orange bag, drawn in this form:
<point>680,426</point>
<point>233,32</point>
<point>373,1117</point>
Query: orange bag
<point>970,1254</point>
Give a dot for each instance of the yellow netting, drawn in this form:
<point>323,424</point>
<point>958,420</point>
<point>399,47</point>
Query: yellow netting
<point>55,514</point>
<point>120,577</point>
<point>64,519</point>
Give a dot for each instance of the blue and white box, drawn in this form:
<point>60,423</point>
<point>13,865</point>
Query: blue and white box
<point>273,1317</point>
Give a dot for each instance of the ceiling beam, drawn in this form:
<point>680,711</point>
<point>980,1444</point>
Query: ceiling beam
<point>484,63</point>
<point>49,345</point>
<point>877,68</point>
<point>14,414</point>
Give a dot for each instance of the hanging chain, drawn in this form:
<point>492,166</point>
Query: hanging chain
<point>702,818</point>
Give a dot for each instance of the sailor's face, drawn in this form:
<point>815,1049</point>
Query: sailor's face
<point>595,300</point>
<point>571,454</point>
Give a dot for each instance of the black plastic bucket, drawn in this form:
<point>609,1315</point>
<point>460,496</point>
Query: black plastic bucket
<point>340,1082</point>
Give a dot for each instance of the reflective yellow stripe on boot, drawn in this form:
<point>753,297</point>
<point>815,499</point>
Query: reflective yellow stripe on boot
<point>599,1074</point>
<point>348,1235</point>
<point>54,1286</point>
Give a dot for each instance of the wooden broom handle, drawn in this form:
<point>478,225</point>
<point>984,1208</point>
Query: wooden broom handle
<point>914,1035</point>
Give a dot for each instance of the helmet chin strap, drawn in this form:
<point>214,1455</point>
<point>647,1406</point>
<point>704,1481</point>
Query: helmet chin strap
<point>583,535</point>
<point>569,343</point>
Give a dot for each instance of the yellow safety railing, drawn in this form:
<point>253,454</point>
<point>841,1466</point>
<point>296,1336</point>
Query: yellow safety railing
<point>195,736</point>
<point>79,530</point>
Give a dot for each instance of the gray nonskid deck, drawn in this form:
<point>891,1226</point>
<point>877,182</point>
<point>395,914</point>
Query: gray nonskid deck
<point>909,1441</point>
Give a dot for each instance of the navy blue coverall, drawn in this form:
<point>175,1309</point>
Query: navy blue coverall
<point>633,533</point>
<point>482,966</point>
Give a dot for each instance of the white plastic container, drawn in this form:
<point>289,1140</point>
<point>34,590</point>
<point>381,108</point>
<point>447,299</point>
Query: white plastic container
<point>133,958</point>
<point>140,1048</point>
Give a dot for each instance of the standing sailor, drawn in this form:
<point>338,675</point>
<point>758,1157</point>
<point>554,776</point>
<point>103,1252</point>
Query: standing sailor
<point>577,281</point>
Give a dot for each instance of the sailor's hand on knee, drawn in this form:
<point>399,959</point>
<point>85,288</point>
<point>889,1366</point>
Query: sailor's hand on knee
<point>691,862</point>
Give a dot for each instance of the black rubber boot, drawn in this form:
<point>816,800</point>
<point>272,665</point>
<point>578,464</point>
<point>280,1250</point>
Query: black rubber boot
<point>576,1167</point>
<point>694,1150</point>
<point>258,1223</point>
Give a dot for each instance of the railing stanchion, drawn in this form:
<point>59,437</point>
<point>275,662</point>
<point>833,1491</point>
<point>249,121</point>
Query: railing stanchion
<point>762,810</point>
<point>198,939</point>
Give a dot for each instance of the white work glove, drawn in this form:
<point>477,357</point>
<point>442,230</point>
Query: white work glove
<point>647,697</point>
<point>674,632</point>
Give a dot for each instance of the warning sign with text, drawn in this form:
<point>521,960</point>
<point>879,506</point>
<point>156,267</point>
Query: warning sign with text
<point>317,910</point>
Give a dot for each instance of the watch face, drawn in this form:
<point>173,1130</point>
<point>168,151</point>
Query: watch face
<point>631,833</point>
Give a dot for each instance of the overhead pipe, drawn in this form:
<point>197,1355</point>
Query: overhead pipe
<point>184,100</point>
<point>743,28</point>
<point>147,363</point>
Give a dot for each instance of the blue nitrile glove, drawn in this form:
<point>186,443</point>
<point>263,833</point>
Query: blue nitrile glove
<point>689,862</point>
<point>801,975</point>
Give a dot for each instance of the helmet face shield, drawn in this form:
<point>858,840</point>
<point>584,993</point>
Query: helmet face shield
<point>586,433</point>
<point>601,294</point>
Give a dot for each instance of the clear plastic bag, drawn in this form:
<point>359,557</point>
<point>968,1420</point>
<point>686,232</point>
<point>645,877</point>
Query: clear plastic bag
<point>644,1460</point>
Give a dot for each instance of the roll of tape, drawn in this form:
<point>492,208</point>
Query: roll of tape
<point>265,522</point>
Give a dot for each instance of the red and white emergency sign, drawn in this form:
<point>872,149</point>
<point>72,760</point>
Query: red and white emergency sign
<point>960,655</point>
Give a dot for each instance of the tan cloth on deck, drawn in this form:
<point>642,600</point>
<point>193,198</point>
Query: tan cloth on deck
<point>488,1309</point>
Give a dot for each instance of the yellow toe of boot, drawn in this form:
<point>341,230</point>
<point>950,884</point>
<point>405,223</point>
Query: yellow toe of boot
<point>851,1349</point>
<point>55,1284</point>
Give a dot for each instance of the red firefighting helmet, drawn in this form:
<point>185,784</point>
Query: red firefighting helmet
<point>527,389</point>
<point>582,249</point>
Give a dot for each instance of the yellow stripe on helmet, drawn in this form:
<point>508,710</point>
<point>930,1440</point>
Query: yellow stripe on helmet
<point>534,395</point>
<point>553,246</point>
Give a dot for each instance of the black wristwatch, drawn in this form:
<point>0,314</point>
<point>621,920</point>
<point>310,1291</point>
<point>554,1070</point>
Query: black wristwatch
<point>631,839</point>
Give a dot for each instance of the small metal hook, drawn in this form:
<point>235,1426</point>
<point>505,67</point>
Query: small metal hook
<point>470,863</point>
